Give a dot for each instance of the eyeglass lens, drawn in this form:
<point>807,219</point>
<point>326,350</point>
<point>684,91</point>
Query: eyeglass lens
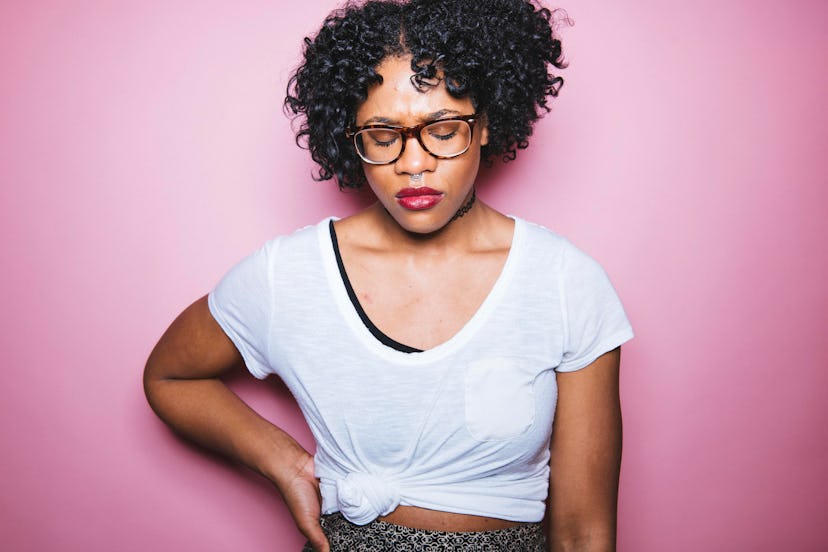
<point>441,138</point>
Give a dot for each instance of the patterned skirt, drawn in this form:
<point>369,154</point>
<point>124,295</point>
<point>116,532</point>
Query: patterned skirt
<point>379,536</point>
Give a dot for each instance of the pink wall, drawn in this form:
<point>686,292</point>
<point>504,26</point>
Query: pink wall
<point>143,151</point>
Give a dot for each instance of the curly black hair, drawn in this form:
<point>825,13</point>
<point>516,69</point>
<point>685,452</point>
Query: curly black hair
<point>496,52</point>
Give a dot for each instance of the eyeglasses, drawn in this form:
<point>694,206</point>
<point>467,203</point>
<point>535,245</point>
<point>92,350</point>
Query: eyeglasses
<point>443,139</point>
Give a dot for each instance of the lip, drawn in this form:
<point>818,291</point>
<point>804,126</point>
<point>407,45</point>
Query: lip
<point>418,199</point>
<point>420,191</point>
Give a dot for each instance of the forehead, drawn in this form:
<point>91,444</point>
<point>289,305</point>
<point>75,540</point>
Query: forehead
<point>398,100</point>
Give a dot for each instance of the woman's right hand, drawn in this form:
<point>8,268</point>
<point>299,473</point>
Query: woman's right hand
<point>301,494</point>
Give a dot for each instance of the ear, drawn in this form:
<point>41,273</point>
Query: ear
<point>483,123</point>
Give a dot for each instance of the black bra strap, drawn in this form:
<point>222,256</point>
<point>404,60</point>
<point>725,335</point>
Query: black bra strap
<point>376,332</point>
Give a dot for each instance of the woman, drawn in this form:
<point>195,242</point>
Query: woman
<point>428,338</point>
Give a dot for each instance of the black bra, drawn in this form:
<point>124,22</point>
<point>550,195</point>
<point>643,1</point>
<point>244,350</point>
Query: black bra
<point>364,317</point>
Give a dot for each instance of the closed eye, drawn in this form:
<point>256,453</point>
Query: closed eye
<point>382,137</point>
<point>442,135</point>
<point>443,130</point>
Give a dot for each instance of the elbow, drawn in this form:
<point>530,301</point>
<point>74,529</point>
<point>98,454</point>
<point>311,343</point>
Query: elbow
<point>150,382</point>
<point>583,545</point>
<point>153,378</point>
<point>600,538</point>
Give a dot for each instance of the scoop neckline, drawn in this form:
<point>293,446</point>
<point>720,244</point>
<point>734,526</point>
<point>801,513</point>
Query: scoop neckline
<point>364,337</point>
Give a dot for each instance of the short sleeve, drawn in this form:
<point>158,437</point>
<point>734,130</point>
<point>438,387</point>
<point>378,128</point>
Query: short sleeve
<point>242,303</point>
<point>594,321</point>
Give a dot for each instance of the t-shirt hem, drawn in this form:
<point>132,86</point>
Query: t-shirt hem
<point>227,328</point>
<point>606,345</point>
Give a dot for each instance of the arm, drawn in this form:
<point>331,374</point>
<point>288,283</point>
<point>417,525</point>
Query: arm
<point>586,458</point>
<point>182,384</point>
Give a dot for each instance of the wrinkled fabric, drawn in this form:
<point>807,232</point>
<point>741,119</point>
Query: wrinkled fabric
<point>362,497</point>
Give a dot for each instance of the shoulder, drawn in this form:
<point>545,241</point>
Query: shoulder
<point>307,233</point>
<point>544,243</point>
<point>298,244</point>
<point>299,239</point>
<point>534,233</point>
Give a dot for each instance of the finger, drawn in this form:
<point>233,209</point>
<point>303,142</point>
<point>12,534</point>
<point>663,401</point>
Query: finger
<point>315,535</point>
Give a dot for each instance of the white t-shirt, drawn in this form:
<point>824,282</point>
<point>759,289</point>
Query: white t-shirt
<point>463,427</point>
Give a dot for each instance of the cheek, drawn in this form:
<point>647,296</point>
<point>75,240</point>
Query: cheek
<point>465,171</point>
<point>473,157</point>
<point>378,177</point>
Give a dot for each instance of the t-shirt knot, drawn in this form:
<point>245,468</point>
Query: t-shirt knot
<point>362,497</point>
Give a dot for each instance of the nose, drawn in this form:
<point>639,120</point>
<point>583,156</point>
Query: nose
<point>414,159</point>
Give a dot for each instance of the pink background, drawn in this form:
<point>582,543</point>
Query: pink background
<point>143,151</point>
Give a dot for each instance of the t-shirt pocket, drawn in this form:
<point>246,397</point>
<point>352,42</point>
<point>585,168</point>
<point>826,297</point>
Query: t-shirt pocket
<point>499,397</point>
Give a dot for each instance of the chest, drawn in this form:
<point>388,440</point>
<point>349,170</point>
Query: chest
<point>422,302</point>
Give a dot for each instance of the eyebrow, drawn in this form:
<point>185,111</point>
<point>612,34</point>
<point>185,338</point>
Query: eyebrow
<point>427,117</point>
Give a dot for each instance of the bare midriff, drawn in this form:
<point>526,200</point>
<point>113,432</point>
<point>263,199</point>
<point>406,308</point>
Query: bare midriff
<point>433,520</point>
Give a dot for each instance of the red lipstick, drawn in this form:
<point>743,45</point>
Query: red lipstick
<point>418,199</point>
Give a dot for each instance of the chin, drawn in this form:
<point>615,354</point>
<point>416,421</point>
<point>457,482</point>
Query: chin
<point>421,222</point>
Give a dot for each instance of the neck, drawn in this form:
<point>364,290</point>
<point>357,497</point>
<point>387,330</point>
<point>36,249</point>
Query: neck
<point>466,207</point>
<point>468,229</point>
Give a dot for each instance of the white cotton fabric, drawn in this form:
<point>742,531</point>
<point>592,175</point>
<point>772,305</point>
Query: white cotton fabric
<point>463,427</point>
